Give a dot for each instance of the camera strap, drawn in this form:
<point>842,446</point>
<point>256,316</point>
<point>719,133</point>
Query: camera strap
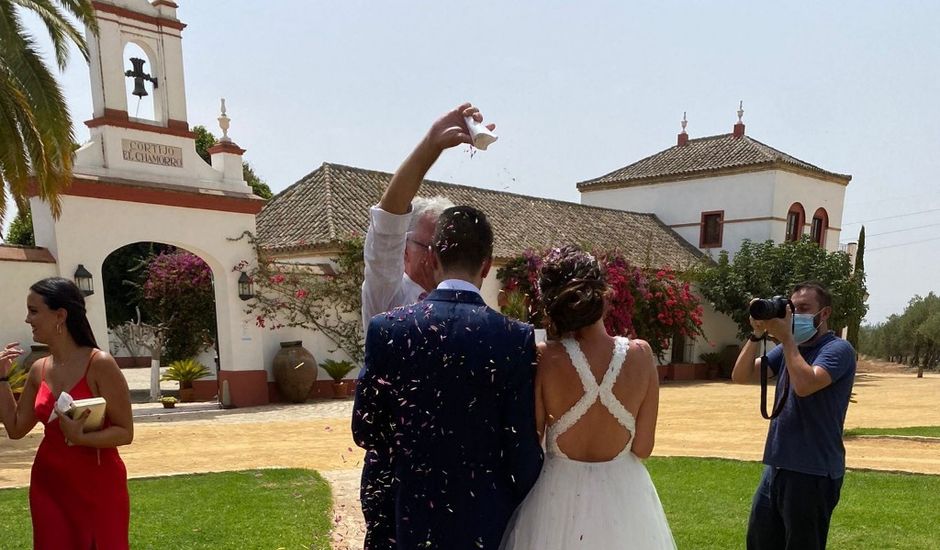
<point>779,400</point>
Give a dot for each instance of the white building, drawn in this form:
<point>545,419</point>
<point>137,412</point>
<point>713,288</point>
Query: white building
<point>140,180</point>
<point>717,191</point>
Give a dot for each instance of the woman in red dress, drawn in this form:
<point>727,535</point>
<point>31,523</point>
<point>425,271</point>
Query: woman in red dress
<point>78,489</point>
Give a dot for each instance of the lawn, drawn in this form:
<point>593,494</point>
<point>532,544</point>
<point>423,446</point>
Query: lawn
<point>251,509</point>
<point>920,431</point>
<point>708,501</point>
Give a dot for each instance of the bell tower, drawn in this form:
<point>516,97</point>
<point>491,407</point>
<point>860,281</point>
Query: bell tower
<point>155,29</point>
<point>139,179</point>
<point>137,55</point>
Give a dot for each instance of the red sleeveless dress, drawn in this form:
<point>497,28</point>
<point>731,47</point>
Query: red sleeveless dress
<point>77,495</point>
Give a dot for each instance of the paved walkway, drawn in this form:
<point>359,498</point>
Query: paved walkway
<point>696,419</point>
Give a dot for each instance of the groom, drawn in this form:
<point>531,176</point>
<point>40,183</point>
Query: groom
<point>447,399</point>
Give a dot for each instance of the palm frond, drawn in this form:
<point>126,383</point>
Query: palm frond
<point>36,138</point>
<point>14,163</point>
<point>60,29</point>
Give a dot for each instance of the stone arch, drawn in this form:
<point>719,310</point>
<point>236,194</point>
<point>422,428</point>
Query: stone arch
<point>118,296</point>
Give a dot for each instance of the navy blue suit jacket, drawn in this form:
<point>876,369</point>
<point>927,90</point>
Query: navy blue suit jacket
<point>447,403</point>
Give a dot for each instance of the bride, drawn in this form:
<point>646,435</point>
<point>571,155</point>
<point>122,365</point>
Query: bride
<point>596,404</point>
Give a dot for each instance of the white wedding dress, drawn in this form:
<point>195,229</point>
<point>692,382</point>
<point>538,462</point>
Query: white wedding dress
<point>591,505</point>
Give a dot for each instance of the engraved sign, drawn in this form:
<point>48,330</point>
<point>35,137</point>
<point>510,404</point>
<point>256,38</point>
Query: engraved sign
<point>152,153</point>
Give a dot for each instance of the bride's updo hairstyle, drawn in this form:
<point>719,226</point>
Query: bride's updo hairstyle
<point>574,289</point>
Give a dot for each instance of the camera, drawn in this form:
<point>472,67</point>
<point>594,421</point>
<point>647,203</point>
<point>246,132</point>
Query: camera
<point>763,309</point>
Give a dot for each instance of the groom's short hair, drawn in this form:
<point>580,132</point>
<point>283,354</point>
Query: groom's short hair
<point>463,238</point>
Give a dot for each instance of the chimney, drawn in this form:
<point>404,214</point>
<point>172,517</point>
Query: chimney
<point>683,136</point>
<point>739,127</point>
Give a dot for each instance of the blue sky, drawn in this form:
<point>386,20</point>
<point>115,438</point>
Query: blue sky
<point>578,89</point>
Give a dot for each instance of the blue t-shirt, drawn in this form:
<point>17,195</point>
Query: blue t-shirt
<point>807,436</point>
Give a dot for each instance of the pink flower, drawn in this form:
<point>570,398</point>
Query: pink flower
<point>300,294</point>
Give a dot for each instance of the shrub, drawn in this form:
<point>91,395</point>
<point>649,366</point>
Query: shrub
<point>337,369</point>
<point>185,371</point>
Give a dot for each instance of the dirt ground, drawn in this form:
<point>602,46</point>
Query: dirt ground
<point>714,418</point>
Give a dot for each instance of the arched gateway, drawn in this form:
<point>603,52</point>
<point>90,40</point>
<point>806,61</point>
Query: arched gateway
<point>140,180</point>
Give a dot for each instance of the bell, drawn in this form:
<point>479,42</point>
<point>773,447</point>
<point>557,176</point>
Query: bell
<point>139,89</point>
<point>139,76</point>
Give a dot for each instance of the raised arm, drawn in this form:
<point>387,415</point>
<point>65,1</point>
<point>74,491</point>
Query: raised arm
<point>448,131</point>
<point>389,221</point>
<point>747,366</point>
<point>18,421</point>
<point>806,379</point>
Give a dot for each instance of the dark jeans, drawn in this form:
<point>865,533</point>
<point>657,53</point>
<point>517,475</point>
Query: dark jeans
<point>791,511</point>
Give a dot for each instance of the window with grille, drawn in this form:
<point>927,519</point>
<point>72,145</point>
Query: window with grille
<point>795,220</point>
<point>819,227</point>
<point>712,223</point>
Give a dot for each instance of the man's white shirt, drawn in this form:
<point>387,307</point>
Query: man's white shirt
<point>386,285</point>
<point>458,284</point>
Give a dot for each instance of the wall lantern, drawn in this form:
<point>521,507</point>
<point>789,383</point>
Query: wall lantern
<point>246,289</point>
<point>83,281</point>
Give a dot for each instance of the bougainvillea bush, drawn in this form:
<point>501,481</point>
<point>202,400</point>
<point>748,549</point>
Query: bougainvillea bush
<point>178,293</point>
<point>655,305</point>
<point>297,294</point>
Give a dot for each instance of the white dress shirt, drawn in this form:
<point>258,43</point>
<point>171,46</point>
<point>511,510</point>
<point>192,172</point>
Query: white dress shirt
<point>458,284</point>
<point>386,285</point>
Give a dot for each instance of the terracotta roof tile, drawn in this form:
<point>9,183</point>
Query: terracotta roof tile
<point>706,156</point>
<point>332,203</point>
<point>12,253</point>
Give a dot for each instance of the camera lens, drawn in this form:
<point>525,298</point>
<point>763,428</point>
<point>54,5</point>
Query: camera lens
<point>763,309</point>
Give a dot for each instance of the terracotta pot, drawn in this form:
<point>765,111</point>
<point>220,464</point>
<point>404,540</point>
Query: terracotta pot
<point>295,371</point>
<point>187,395</point>
<point>339,390</point>
<point>683,371</point>
<point>36,351</point>
<point>665,372</point>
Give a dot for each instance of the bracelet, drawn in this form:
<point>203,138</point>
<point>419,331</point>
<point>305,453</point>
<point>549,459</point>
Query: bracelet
<point>5,379</point>
<point>756,338</point>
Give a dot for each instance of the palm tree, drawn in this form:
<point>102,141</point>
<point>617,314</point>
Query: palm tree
<point>36,139</point>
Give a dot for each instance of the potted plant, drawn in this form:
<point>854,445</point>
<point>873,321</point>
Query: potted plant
<point>338,371</point>
<point>169,402</point>
<point>185,371</point>
<point>712,361</point>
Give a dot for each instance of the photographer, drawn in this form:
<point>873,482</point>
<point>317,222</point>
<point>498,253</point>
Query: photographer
<point>804,454</point>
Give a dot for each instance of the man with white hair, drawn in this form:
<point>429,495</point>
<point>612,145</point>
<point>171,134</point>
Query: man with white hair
<point>397,254</point>
<point>398,272</point>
